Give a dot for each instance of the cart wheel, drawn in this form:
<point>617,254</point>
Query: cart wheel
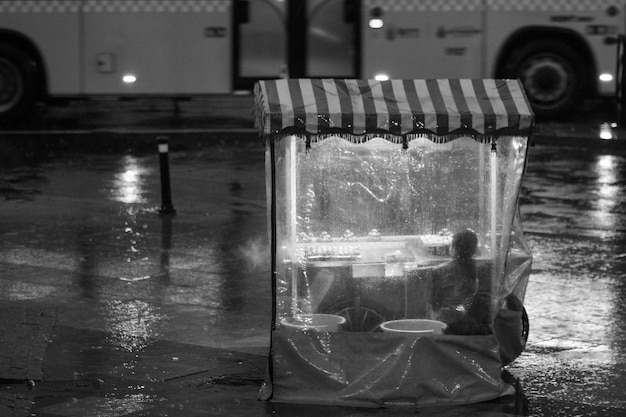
<point>512,343</point>
<point>516,304</point>
<point>525,325</point>
<point>361,317</point>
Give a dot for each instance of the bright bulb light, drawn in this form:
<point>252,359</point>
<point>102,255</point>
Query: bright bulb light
<point>605,131</point>
<point>129,78</point>
<point>381,77</point>
<point>606,77</point>
<point>376,23</point>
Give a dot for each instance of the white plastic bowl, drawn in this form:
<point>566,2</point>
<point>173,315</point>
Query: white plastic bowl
<point>414,326</point>
<point>316,322</point>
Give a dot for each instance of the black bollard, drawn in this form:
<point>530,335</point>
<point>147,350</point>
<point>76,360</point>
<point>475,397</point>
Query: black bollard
<point>166,190</point>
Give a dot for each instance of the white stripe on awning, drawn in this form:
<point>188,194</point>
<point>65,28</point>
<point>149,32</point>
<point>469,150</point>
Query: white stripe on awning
<point>380,103</point>
<point>522,105</point>
<point>358,110</point>
<point>334,106</point>
<point>286,106</point>
<point>454,118</point>
<point>311,105</point>
<point>478,121</point>
<point>428,108</point>
<point>502,117</point>
<point>403,103</point>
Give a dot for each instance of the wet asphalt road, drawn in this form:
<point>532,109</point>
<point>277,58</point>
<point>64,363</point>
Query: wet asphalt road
<point>80,234</point>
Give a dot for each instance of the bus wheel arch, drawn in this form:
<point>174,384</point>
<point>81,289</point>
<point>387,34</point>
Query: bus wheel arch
<point>21,79</point>
<point>556,67</point>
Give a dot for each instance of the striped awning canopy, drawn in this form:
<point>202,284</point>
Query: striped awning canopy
<point>439,109</point>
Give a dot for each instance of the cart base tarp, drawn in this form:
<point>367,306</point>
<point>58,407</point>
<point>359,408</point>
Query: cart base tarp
<point>383,370</point>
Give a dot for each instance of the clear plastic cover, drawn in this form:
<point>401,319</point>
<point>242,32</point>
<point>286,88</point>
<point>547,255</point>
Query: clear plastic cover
<point>399,267</point>
<point>377,242</point>
<point>373,224</point>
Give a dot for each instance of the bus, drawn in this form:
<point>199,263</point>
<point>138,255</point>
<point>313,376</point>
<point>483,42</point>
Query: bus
<point>562,51</point>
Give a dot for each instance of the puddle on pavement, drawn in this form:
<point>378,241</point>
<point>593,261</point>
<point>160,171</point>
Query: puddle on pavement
<point>129,181</point>
<point>107,406</point>
<point>577,192</point>
<point>132,325</point>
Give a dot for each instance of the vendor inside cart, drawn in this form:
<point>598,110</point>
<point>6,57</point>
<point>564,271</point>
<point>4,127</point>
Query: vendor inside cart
<point>456,296</point>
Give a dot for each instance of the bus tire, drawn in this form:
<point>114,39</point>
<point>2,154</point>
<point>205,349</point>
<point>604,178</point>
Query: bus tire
<point>553,73</point>
<point>19,83</point>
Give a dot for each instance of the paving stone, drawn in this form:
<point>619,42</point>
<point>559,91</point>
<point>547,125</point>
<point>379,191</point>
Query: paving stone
<point>25,332</point>
<point>15,405</point>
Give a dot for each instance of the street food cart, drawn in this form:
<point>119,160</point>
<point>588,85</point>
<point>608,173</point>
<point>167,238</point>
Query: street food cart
<point>398,263</point>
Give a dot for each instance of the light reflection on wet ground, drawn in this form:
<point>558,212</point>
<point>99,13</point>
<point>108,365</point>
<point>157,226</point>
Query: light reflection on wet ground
<point>575,191</point>
<point>129,183</point>
<point>118,252</point>
<point>574,212</point>
<point>84,235</point>
<point>132,324</point>
<point>109,406</point>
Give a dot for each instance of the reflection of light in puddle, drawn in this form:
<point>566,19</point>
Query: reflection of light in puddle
<point>104,407</point>
<point>128,404</point>
<point>608,191</point>
<point>565,325</point>
<point>128,183</point>
<point>134,232</point>
<point>132,324</point>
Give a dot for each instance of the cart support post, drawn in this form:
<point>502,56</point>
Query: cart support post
<point>293,217</point>
<point>494,224</point>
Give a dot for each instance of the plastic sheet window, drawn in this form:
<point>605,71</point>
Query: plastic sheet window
<point>355,221</point>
